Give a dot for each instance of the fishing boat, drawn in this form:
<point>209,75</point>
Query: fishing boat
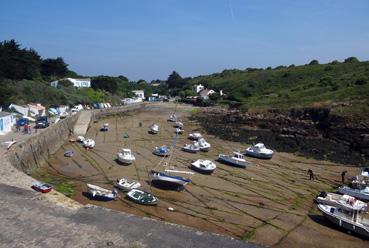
<point>360,192</point>
<point>69,153</point>
<point>179,130</point>
<point>235,159</point>
<point>126,156</point>
<point>41,187</point>
<point>178,124</point>
<point>101,193</point>
<point>104,127</point>
<point>172,118</point>
<point>192,148</point>
<point>89,143</point>
<point>203,144</point>
<point>126,185</point>
<point>365,172</point>
<point>203,166</point>
<point>344,201</point>
<point>259,151</point>
<point>164,179</point>
<point>154,129</point>
<point>195,136</point>
<point>354,220</point>
<point>80,139</point>
<point>161,151</point>
<point>142,197</point>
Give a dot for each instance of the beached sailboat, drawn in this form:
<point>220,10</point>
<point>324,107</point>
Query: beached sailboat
<point>192,148</point>
<point>126,156</point>
<point>344,201</point>
<point>195,136</point>
<point>161,151</point>
<point>203,166</point>
<point>69,153</point>
<point>259,151</point>
<point>235,159</point>
<point>89,143</point>
<point>203,144</point>
<point>101,193</point>
<point>142,197</point>
<point>126,185</point>
<point>154,129</point>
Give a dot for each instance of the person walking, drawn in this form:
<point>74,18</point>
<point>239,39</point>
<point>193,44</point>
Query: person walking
<point>343,174</point>
<point>311,174</point>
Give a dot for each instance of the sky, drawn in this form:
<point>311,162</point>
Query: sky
<point>148,39</point>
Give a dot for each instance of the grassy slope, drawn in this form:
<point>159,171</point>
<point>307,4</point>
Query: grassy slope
<point>298,86</point>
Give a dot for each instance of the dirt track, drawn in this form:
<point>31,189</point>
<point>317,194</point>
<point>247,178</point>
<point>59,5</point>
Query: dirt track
<point>270,203</point>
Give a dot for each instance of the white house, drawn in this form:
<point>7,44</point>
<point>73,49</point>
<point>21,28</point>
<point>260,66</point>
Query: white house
<point>7,120</point>
<point>139,94</point>
<point>198,88</point>
<point>77,82</point>
<point>206,93</point>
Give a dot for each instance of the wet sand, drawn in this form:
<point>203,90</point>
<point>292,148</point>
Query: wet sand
<point>269,203</point>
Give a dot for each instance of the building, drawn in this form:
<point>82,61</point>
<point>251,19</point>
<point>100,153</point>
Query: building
<point>206,93</point>
<point>77,82</point>
<point>139,94</point>
<point>198,88</point>
<point>36,109</point>
<point>7,120</point>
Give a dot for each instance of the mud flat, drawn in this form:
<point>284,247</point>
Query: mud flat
<point>270,203</point>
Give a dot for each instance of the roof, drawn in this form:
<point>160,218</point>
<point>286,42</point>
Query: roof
<point>205,92</point>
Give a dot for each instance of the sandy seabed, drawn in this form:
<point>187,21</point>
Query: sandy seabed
<point>269,203</point>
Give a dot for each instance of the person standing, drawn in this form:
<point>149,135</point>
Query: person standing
<point>343,174</point>
<point>311,174</point>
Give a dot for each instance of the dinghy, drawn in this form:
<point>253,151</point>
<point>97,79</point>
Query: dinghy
<point>178,124</point>
<point>192,148</point>
<point>360,193</point>
<point>80,139</point>
<point>203,144</point>
<point>172,118</point>
<point>104,127</point>
<point>353,220</point>
<point>161,151</point>
<point>154,129</point>
<point>195,136</point>
<point>41,187</point>
<point>63,115</point>
<point>235,159</point>
<point>346,202</point>
<point>69,153</point>
<point>125,156</point>
<point>178,130</point>
<point>126,185</point>
<point>259,151</point>
<point>167,180</point>
<point>89,143</point>
<point>142,197</point>
<point>101,193</point>
<point>203,166</point>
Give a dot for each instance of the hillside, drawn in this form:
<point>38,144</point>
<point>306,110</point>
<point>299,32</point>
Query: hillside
<point>343,86</point>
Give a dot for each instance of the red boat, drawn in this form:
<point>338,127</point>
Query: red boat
<point>41,187</point>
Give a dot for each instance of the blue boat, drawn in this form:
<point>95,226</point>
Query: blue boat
<point>168,181</point>
<point>161,151</point>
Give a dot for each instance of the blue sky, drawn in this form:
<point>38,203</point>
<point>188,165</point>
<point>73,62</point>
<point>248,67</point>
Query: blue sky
<point>150,38</point>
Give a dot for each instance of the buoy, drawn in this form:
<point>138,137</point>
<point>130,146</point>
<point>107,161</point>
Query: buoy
<point>170,209</point>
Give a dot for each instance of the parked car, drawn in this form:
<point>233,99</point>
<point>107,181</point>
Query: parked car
<point>22,122</point>
<point>42,122</point>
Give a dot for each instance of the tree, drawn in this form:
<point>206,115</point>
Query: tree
<point>351,60</point>
<point>54,67</point>
<point>109,84</point>
<point>314,62</point>
<point>175,80</point>
<point>121,77</point>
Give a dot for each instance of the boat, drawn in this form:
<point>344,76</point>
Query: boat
<point>63,115</point>
<point>193,148</point>
<point>365,172</point>
<point>9,143</point>
<point>259,151</point>
<point>104,127</point>
<point>126,185</point>
<point>203,144</point>
<point>142,197</point>
<point>80,139</point>
<point>69,153</point>
<point>89,143</point>
<point>41,187</point>
<point>360,192</point>
<point>161,151</point>
<point>154,129</point>
<point>203,166</point>
<point>353,220</point>
<point>101,193</point>
<point>178,130</point>
<point>344,201</point>
<point>172,118</point>
<point>166,180</point>
<point>178,124</point>
<point>235,159</point>
<point>126,156</point>
<point>195,136</point>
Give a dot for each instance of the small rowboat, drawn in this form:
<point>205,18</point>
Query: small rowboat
<point>41,187</point>
<point>126,185</point>
<point>104,127</point>
<point>142,197</point>
<point>195,136</point>
<point>68,153</point>
<point>161,151</point>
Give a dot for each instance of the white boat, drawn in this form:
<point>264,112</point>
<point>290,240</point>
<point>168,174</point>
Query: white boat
<point>80,139</point>
<point>204,166</point>
<point>142,197</point>
<point>354,220</point>
<point>161,151</point>
<point>365,172</point>
<point>154,129</point>
<point>203,144</point>
<point>178,124</point>
<point>195,136</point>
<point>89,143</point>
<point>259,151</point>
<point>193,148</point>
<point>126,156</point>
<point>126,185</point>
<point>166,180</point>
<point>101,193</point>
<point>178,130</point>
<point>172,118</point>
<point>360,193</point>
<point>344,201</point>
<point>235,159</point>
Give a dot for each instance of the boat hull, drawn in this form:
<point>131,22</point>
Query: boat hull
<point>201,170</point>
<point>232,162</point>
<point>165,181</point>
<point>259,155</point>
<point>355,193</point>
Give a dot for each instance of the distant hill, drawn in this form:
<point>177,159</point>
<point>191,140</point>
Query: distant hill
<point>344,86</point>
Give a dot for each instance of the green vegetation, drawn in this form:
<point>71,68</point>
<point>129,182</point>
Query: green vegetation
<point>60,185</point>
